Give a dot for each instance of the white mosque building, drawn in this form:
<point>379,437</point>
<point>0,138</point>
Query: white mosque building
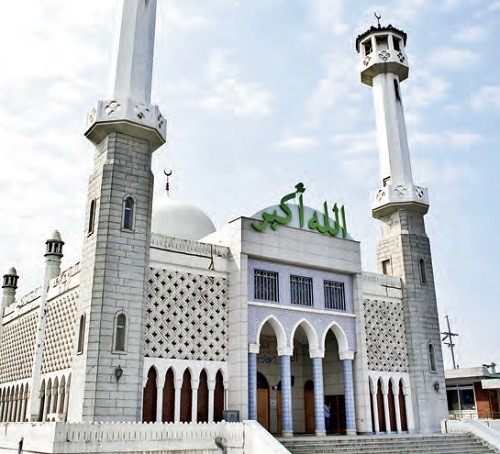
<point>165,319</point>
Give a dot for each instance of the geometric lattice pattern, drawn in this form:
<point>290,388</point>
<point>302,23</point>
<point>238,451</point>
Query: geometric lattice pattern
<point>187,316</point>
<point>60,332</point>
<point>385,336</point>
<point>17,348</point>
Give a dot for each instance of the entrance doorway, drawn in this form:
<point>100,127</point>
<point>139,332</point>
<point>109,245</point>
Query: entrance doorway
<point>309,406</point>
<point>262,401</point>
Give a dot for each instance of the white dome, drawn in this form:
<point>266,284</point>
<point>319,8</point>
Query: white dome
<point>181,220</point>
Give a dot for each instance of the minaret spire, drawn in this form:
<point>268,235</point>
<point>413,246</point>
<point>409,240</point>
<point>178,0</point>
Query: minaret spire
<point>384,66</point>
<point>134,68</point>
<point>130,110</point>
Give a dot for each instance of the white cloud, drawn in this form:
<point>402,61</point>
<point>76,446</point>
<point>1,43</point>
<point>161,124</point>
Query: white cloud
<point>471,34</point>
<point>297,143</point>
<point>452,58</point>
<point>329,15</point>
<point>486,97</point>
<point>230,92</point>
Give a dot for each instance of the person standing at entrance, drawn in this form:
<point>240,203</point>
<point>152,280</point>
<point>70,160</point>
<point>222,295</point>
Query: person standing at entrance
<point>327,417</point>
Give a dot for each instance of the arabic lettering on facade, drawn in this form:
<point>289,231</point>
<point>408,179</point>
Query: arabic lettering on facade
<point>321,222</point>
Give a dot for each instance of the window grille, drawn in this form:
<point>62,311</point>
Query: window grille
<point>301,290</point>
<point>334,295</point>
<point>266,285</point>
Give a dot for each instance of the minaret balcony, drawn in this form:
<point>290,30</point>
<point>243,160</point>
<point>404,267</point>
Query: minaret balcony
<point>128,117</point>
<point>393,197</point>
<point>385,61</point>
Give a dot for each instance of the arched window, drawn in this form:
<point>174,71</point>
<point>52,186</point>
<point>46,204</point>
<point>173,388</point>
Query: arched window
<point>128,213</point>
<point>81,334</point>
<point>91,217</point>
<point>432,358</point>
<point>423,274</point>
<point>120,332</point>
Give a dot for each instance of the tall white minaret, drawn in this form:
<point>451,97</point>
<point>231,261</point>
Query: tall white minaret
<point>107,377</point>
<point>400,205</point>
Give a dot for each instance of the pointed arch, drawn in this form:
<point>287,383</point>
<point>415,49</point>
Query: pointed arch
<point>312,337</point>
<point>339,335</point>
<point>402,406</point>
<point>168,410</point>
<point>219,392</point>
<point>55,397</point>
<point>203,397</point>
<point>150,396</point>
<point>43,396</point>
<point>186,396</point>
<point>392,406</point>
<point>279,331</point>
<point>380,405</point>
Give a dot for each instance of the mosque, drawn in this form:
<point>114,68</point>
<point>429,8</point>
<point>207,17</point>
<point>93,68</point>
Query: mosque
<point>270,319</point>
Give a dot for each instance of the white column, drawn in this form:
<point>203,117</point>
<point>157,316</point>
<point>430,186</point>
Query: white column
<point>134,66</point>
<point>46,404</point>
<point>23,406</point>
<point>373,392</point>
<point>194,401</point>
<point>211,395</point>
<point>66,401</point>
<point>159,404</point>
<point>386,409</point>
<point>398,412</point>
<point>409,410</point>
<point>178,387</point>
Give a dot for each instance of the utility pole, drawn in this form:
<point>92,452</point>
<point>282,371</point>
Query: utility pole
<point>448,335</point>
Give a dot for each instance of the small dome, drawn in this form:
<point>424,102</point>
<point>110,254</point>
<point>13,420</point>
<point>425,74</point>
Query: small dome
<point>12,272</point>
<point>181,220</point>
<point>56,236</point>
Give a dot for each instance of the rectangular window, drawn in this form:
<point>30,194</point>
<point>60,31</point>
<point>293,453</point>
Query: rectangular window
<point>334,295</point>
<point>266,285</point>
<point>301,290</point>
<point>386,267</point>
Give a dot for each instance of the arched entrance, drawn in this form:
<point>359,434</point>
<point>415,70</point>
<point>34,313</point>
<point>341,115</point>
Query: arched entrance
<point>168,409</point>
<point>263,401</point>
<point>402,407</point>
<point>186,397</point>
<point>218,397</point>
<point>203,398</point>
<point>149,397</point>
<point>380,405</point>
<point>392,408</point>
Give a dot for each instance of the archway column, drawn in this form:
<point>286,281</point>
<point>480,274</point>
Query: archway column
<point>23,405</point>
<point>319,391</point>
<point>252,382</point>
<point>350,412</point>
<point>194,400</point>
<point>286,390</point>
<point>397,410</point>
<point>385,395</point>
<point>178,388</point>
<point>409,410</point>
<point>211,398</point>
<point>373,394</point>
<point>159,397</point>
<point>66,401</point>
<point>46,403</point>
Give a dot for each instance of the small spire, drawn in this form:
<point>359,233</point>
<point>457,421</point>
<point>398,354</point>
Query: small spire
<point>378,17</point>
<point>167,186</point>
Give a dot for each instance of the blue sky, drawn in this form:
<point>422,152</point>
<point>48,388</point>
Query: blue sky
<point>259,95</point>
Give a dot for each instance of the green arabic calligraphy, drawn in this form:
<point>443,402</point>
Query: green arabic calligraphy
<point>274,219</point>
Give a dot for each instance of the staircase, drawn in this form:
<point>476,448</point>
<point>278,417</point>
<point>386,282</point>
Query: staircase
<point>387,444</point>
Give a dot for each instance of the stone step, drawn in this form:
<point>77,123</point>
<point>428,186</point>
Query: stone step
<point>387,444</point>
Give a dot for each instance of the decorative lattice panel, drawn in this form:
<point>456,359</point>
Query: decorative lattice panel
<point>187,316</point>
<point>17,348</point>
<point>385,336</point>
<point>60,332</point>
